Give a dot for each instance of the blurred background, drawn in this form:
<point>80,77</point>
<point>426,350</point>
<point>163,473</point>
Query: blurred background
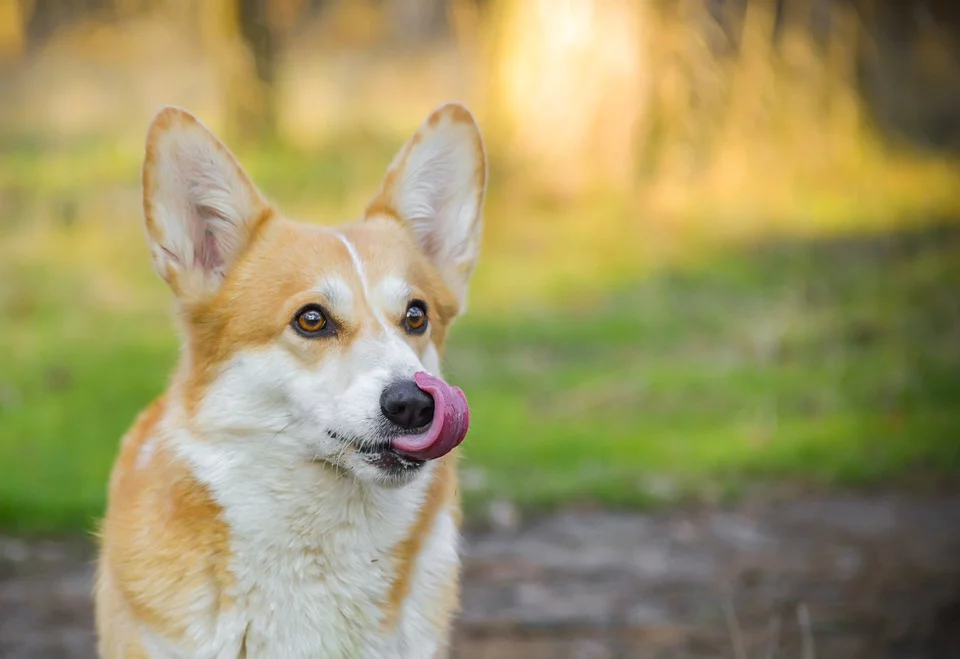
<point>713,350</point>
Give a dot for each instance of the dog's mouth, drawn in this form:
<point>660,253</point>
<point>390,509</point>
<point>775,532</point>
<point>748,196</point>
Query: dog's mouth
<point>381,454</point>
<point>388,459</point>
<point>410,449</point>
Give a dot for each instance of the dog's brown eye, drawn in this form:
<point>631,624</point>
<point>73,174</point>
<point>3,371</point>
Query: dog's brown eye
<point>310,321</point>
<point>415,321</point>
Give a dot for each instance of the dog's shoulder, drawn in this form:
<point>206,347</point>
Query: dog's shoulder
<point>163,539</point>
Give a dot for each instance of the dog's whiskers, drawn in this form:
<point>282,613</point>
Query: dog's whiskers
<point>266,445</point>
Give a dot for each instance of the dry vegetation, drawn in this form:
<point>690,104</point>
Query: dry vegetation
<point>707,113</point>
<point>725,113</point>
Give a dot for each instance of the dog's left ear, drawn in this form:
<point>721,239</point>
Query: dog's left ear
<point>435,186</point>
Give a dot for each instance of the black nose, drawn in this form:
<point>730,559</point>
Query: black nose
<point>407,405</point>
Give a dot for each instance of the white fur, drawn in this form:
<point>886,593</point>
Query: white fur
<point>312,559</point>
<point>439,559</point>
<point>337,292</point>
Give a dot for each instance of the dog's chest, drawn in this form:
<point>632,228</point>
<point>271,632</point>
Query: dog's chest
<point>316,562</point>
<point>294,600</point>
<point>301,603</point>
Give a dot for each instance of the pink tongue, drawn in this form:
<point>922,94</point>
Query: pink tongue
<point>451,416</point>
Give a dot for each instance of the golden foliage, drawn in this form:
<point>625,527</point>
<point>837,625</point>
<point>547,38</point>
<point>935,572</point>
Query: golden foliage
<point>699,107</point>
<point>12,20</point>
<point>568,90</point>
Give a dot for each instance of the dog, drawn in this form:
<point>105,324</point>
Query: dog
<point>294,491</point>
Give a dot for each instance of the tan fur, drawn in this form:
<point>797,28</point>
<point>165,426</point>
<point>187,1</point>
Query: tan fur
<point>162,542</point>
<point>442,494</point>
<point>166,554</point>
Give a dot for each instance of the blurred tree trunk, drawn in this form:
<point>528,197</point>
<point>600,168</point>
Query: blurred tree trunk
<point>568,89</point>
<point>262,41</point>
<point>414,22</point>
<point>223,45</point>
<point>14,15</point>
<point>243,39</point>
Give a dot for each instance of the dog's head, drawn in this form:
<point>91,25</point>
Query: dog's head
<point>323,342</point>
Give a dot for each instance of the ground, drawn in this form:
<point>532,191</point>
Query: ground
<point>839,577</point>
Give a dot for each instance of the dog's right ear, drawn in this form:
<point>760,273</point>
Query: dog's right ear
<point>200,207</point>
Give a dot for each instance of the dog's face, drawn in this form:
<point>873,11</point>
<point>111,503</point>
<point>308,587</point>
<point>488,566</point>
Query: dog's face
<point>310,343</point>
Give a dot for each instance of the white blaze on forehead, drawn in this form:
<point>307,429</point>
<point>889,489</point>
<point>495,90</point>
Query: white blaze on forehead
<point>357,263</point>
<point>362,274</point>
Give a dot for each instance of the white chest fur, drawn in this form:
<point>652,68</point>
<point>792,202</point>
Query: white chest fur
<point>313,564</point>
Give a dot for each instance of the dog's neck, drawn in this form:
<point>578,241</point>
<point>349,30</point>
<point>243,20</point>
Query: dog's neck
<point>313,548</point>
<point>266,490</point>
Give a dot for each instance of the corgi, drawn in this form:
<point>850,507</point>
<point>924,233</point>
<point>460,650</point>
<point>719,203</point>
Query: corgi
<point>294,492</point>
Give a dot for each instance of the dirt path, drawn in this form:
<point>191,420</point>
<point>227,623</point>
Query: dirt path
<point>844,578</point>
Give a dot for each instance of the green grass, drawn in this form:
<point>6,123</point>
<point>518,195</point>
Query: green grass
<point>836,364</point>
<point>829,363</point>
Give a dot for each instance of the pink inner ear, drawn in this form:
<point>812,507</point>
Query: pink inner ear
<point>431,243</point>
<point>203,216</point>
<point>207,254</point>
